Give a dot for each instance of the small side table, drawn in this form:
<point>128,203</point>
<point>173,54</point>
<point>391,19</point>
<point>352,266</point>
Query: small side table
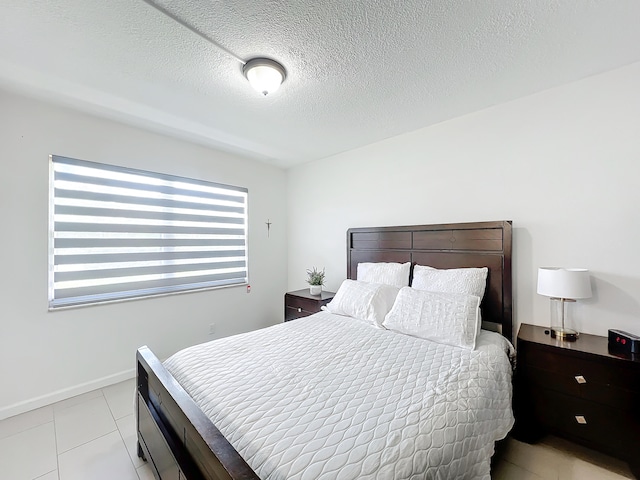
<point>301,303</point>
<point>578,390</point>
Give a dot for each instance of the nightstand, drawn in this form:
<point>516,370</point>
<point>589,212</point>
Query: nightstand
<point>301,303</point>
<point>577,390</point>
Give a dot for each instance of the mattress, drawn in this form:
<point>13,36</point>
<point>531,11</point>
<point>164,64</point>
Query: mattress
<point>331,397</point>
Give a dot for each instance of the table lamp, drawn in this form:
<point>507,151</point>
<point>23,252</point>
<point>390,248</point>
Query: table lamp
<point>563,285</point>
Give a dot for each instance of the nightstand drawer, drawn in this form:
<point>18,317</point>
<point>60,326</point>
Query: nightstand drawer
<point>582,386</point>
<point>539,378</point>
<point>291,313</point>
<point>567,368</point>
<point>301,303</point>
<point>611,429</point>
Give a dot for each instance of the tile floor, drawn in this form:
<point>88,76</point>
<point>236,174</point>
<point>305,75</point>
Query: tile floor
<point>93,437</point>
<point>555,459</point>
<point>88,437</point>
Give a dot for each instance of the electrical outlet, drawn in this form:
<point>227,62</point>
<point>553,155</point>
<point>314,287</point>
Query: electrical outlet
<point>212,328</point>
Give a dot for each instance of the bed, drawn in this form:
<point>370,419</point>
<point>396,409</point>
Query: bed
<point>265,404</point>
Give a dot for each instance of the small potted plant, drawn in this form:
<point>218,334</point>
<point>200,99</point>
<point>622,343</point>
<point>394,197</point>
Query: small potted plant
<point>315,280</point>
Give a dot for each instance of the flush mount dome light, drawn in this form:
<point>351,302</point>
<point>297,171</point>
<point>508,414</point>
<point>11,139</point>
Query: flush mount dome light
<point>264,75</point>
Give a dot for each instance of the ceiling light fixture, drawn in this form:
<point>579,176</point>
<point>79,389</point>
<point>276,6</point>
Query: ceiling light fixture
<point>264,75</point>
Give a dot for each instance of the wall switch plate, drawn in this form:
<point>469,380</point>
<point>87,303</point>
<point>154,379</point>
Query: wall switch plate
<point>212,328</point>
<point>248,288</point>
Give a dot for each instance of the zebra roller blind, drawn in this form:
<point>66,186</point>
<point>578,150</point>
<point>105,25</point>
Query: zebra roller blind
<point>118,233</point>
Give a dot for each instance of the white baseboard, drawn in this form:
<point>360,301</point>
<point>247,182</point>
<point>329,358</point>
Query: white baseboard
<point>48,399</point>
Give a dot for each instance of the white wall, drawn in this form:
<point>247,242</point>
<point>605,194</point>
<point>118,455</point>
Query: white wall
<point>563,164</point>
<point>46,356</point>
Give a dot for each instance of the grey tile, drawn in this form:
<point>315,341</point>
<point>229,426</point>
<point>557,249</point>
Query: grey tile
<point>593,457</point>
<point>127,427</point>
<point>120,398</point>
<point>49,476</point>
<point>29,454</point>
<point>145,472</point>
<point>82,423</point>
<point>538,458</point>
<point>78,399</point>
<point>508,471</point>
<point>577,469</point>
<point>105,458</point>
<point>25,421</point>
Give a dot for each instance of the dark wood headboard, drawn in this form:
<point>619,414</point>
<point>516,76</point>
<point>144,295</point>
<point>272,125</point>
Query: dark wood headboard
<point>454,245</point>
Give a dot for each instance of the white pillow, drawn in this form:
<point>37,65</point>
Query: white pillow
<point>395,274</point>
<point>449,318</point>
<point>366,301</point>
<point>470,281</point>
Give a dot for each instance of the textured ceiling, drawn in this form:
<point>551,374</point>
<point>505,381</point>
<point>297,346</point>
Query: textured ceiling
<point>358,71</point>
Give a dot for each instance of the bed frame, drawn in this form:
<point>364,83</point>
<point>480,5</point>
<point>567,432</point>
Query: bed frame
<point>181,443</point>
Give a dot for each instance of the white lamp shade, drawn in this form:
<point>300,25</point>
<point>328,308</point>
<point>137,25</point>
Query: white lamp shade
<point>264,75</point>
<point>564,282</point>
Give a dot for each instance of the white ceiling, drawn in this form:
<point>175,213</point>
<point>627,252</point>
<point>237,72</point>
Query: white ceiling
<point>358,71</point>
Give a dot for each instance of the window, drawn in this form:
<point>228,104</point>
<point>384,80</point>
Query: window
<point>119,233</point>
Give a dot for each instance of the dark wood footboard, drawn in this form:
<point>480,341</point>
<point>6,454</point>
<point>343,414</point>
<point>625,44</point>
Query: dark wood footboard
<point>174,435</point>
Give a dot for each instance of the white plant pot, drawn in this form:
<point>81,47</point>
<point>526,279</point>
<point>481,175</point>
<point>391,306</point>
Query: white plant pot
<point>315,289</point>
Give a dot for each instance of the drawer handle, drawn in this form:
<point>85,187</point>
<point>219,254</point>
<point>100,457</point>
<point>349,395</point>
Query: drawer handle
<point>581,420</point>
<point>580,379</point>
<point>299,310</point>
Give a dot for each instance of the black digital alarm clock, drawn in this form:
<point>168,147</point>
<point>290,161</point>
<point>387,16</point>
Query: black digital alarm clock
<point>624,342</point>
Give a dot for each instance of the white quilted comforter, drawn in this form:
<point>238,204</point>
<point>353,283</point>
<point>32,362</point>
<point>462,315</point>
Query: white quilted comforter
<point>330,397</point>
